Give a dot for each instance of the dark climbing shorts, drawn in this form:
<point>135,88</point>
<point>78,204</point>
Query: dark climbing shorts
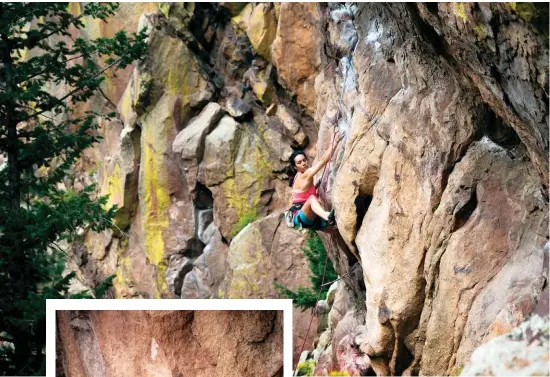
<point>301,218</point>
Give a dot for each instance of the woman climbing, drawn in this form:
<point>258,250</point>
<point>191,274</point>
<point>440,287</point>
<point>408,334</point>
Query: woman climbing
<point>306,209</point>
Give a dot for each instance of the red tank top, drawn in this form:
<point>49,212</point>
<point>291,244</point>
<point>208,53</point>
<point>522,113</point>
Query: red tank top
<point>302,197</point>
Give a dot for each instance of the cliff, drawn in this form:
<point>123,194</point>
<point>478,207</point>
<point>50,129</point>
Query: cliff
<point>440,185</point>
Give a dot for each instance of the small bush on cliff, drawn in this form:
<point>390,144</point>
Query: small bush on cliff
<point>316,253</point>
<point>45,73</point>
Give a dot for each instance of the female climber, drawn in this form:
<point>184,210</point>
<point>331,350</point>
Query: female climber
<point>306,210</point>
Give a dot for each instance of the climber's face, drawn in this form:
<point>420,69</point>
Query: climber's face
<point>301,163</point>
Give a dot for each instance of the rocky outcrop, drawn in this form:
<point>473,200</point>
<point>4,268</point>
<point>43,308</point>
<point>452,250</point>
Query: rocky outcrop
<point>522,352</point>
<point>427,164</point>
<point>170,343</point>
<point>439,183</point>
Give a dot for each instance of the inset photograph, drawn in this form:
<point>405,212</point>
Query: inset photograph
<point>168,343</point>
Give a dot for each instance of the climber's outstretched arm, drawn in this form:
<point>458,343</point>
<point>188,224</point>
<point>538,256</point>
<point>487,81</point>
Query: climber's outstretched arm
<point>316,168</point>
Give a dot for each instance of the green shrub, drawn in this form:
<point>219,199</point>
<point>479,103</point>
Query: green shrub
<point>316,253</point>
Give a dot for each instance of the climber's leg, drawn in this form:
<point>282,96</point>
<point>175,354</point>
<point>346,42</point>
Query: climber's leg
<point>313,208</point>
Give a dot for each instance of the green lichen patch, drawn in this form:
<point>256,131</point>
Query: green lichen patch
<point>247,218</point>
<point>306,368</point>
<point>480,31</point>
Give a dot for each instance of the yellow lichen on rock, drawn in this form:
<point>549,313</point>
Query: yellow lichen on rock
<point>460,11</point>
<point>262,29</point>
<point>114,187</point>
<point>242,19</point>
<point>156,133</point>
<point>243,191</point>
<point>123,275</point>
<point>481,32</point>
<point>263,91</point>
<point>245,258</point>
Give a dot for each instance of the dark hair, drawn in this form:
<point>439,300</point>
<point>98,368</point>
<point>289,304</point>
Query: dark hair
<point>292,167</point>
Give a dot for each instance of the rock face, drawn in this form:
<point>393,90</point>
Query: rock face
<point>170,343</point>
<point>522,352</point>
<point>439,183</point>
<point>296,49</point>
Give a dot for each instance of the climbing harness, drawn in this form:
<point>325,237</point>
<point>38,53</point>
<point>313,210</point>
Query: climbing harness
<point>291,213</point>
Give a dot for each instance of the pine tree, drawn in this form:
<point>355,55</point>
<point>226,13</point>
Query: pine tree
<point>316,255</point>
<point>40,131</point>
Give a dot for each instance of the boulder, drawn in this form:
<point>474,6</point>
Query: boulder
<point>237,108</point>
<point>242,196</point>
<point>346,354</point>
<point>220,147</point>
<point>190,141</point>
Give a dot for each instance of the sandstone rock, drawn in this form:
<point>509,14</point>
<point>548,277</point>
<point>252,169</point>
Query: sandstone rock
<point>98,243</point>
<point>341,305</point>
<point>189,141</point>
<point>242,20</point>
<point>290,124</point>
<point>342,31</point>
<point>174,69</point>
<point>347,354</point>
<point>449,232</point>
<point>523,352</point>
<point>473,39</point>
<point>178,15</point>
<point>474,205</point>
<point>204,220</point>
<point>237,108</point>
<point>296,50</point>
<point>167,228</point>
<point>239,199</point>
<point>208,269</point>
<point>267,251</point>
<point>234,8</point>
<point>261,28</point>
<point>322,315</point>
<point>221,343</point>
<point>178,267</point>
<point>220,147</point>
<point>331,294</point>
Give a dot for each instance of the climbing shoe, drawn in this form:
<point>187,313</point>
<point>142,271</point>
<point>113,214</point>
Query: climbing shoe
<point>331,218</point>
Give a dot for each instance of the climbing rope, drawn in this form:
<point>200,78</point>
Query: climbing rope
<point>327,167</point>
<point>313,312</point>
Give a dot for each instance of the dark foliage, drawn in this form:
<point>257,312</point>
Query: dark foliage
<point>41,132</point>
<point>316,254</point>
